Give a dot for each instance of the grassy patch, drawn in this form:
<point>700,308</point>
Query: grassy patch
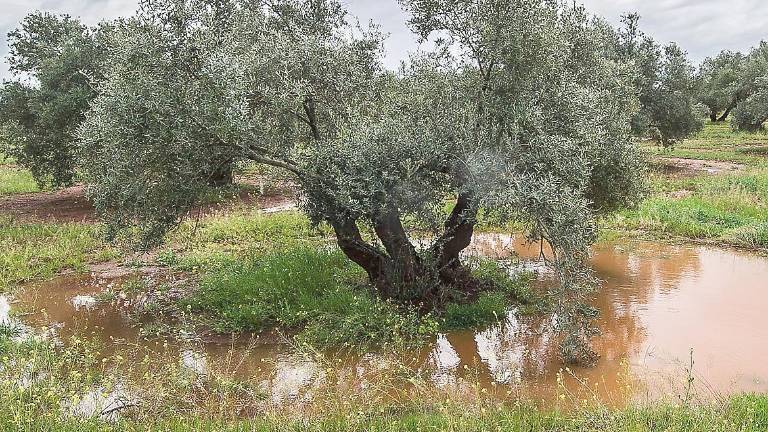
<point>264,271</point>
<point>218,242</point>
<point>748,413</point>
<point>656,418</point>
<point>46,386</point>
<point>718,142</point>
<point>317,291</point>
<point>489,307</point>
<point>324,297</point>
<point>34,251</point>
<point>260,272</point>
<point>517,287</point>
<point>14,180</point>
<point>729,208</point>
<point>492,306</point>
<point>720,135</point>
<point>749,236</point>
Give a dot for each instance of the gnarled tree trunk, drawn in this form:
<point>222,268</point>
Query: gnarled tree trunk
<point>727,112</point>
<point>400,272</point>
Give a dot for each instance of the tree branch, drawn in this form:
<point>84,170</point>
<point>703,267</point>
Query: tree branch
<point>276,163</point>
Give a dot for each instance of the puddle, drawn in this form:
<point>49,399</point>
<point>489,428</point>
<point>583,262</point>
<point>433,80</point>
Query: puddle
<point>5,310</point>
<point>290,206</point>
<point>100,402</point>
<point>658,302</point>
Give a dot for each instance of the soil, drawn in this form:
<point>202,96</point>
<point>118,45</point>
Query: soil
<point>71,204</point>
<point>66,205</point>
<point>679,167</point>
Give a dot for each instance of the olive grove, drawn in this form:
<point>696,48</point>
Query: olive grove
<point>734,84</point>
<point>750,108</point>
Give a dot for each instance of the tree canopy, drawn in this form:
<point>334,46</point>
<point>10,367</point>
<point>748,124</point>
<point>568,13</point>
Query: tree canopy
<point>735,83</point>
<point>57,60</point>
<point>665,83</point>
<point>751,101</point>
<point>719,78</point>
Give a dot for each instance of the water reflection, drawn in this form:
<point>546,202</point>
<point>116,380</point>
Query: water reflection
<point>657,303</point>
<point>5,310</point>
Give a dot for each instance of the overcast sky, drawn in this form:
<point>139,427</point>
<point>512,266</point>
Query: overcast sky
<point>702,27</point>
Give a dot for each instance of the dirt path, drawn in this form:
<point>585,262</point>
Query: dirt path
<point>71,205</point>
<point>691,167</point>
<point>66,205</point>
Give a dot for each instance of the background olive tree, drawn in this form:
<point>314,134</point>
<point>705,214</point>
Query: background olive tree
<point>752,113</point>
<point>665,83</point>
<point>522,109</point>
<point>54,59</point>
<point>719,82</point>
<point>751,106</point>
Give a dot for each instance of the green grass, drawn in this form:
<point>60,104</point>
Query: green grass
<point>14,180</point>
<point>720,135</point>
<point>747,413</point>
<point>325,298</point>
<point>492,306</point>
<point>727,208</point>
<point>221,241</point>
<point>36,251</point>
<point>718,142</point>
<point>317,291</point>
<point>730,209</point>
<point>278,271</point>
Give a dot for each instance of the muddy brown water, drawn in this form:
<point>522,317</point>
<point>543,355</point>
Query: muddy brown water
<point>661,306</point>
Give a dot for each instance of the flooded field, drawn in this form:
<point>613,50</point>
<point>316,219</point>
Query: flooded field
<point>662,307</point>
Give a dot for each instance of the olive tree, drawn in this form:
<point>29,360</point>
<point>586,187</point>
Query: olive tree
<point>665,84</point>
<point>54,59</point>
<point>750,107</point>
<point>719,83</point>
<point>520,110</point>
<point>752,113</point>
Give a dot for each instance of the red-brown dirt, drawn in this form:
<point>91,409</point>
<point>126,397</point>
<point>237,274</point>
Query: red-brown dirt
<point>71,205</point>
<point>680,167</point>
<point>66,205</point>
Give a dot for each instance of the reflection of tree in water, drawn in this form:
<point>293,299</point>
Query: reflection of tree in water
<point>632,278</point>
<point>522,353</point>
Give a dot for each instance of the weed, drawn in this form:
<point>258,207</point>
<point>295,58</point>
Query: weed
<point>518,286</point>
<point>490,307</point>
<point>316,290</point>
<point>14,180</point>
<point>34,251</point>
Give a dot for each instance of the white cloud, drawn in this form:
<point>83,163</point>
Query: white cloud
<point>89,11</point>
<point>702,27</point>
